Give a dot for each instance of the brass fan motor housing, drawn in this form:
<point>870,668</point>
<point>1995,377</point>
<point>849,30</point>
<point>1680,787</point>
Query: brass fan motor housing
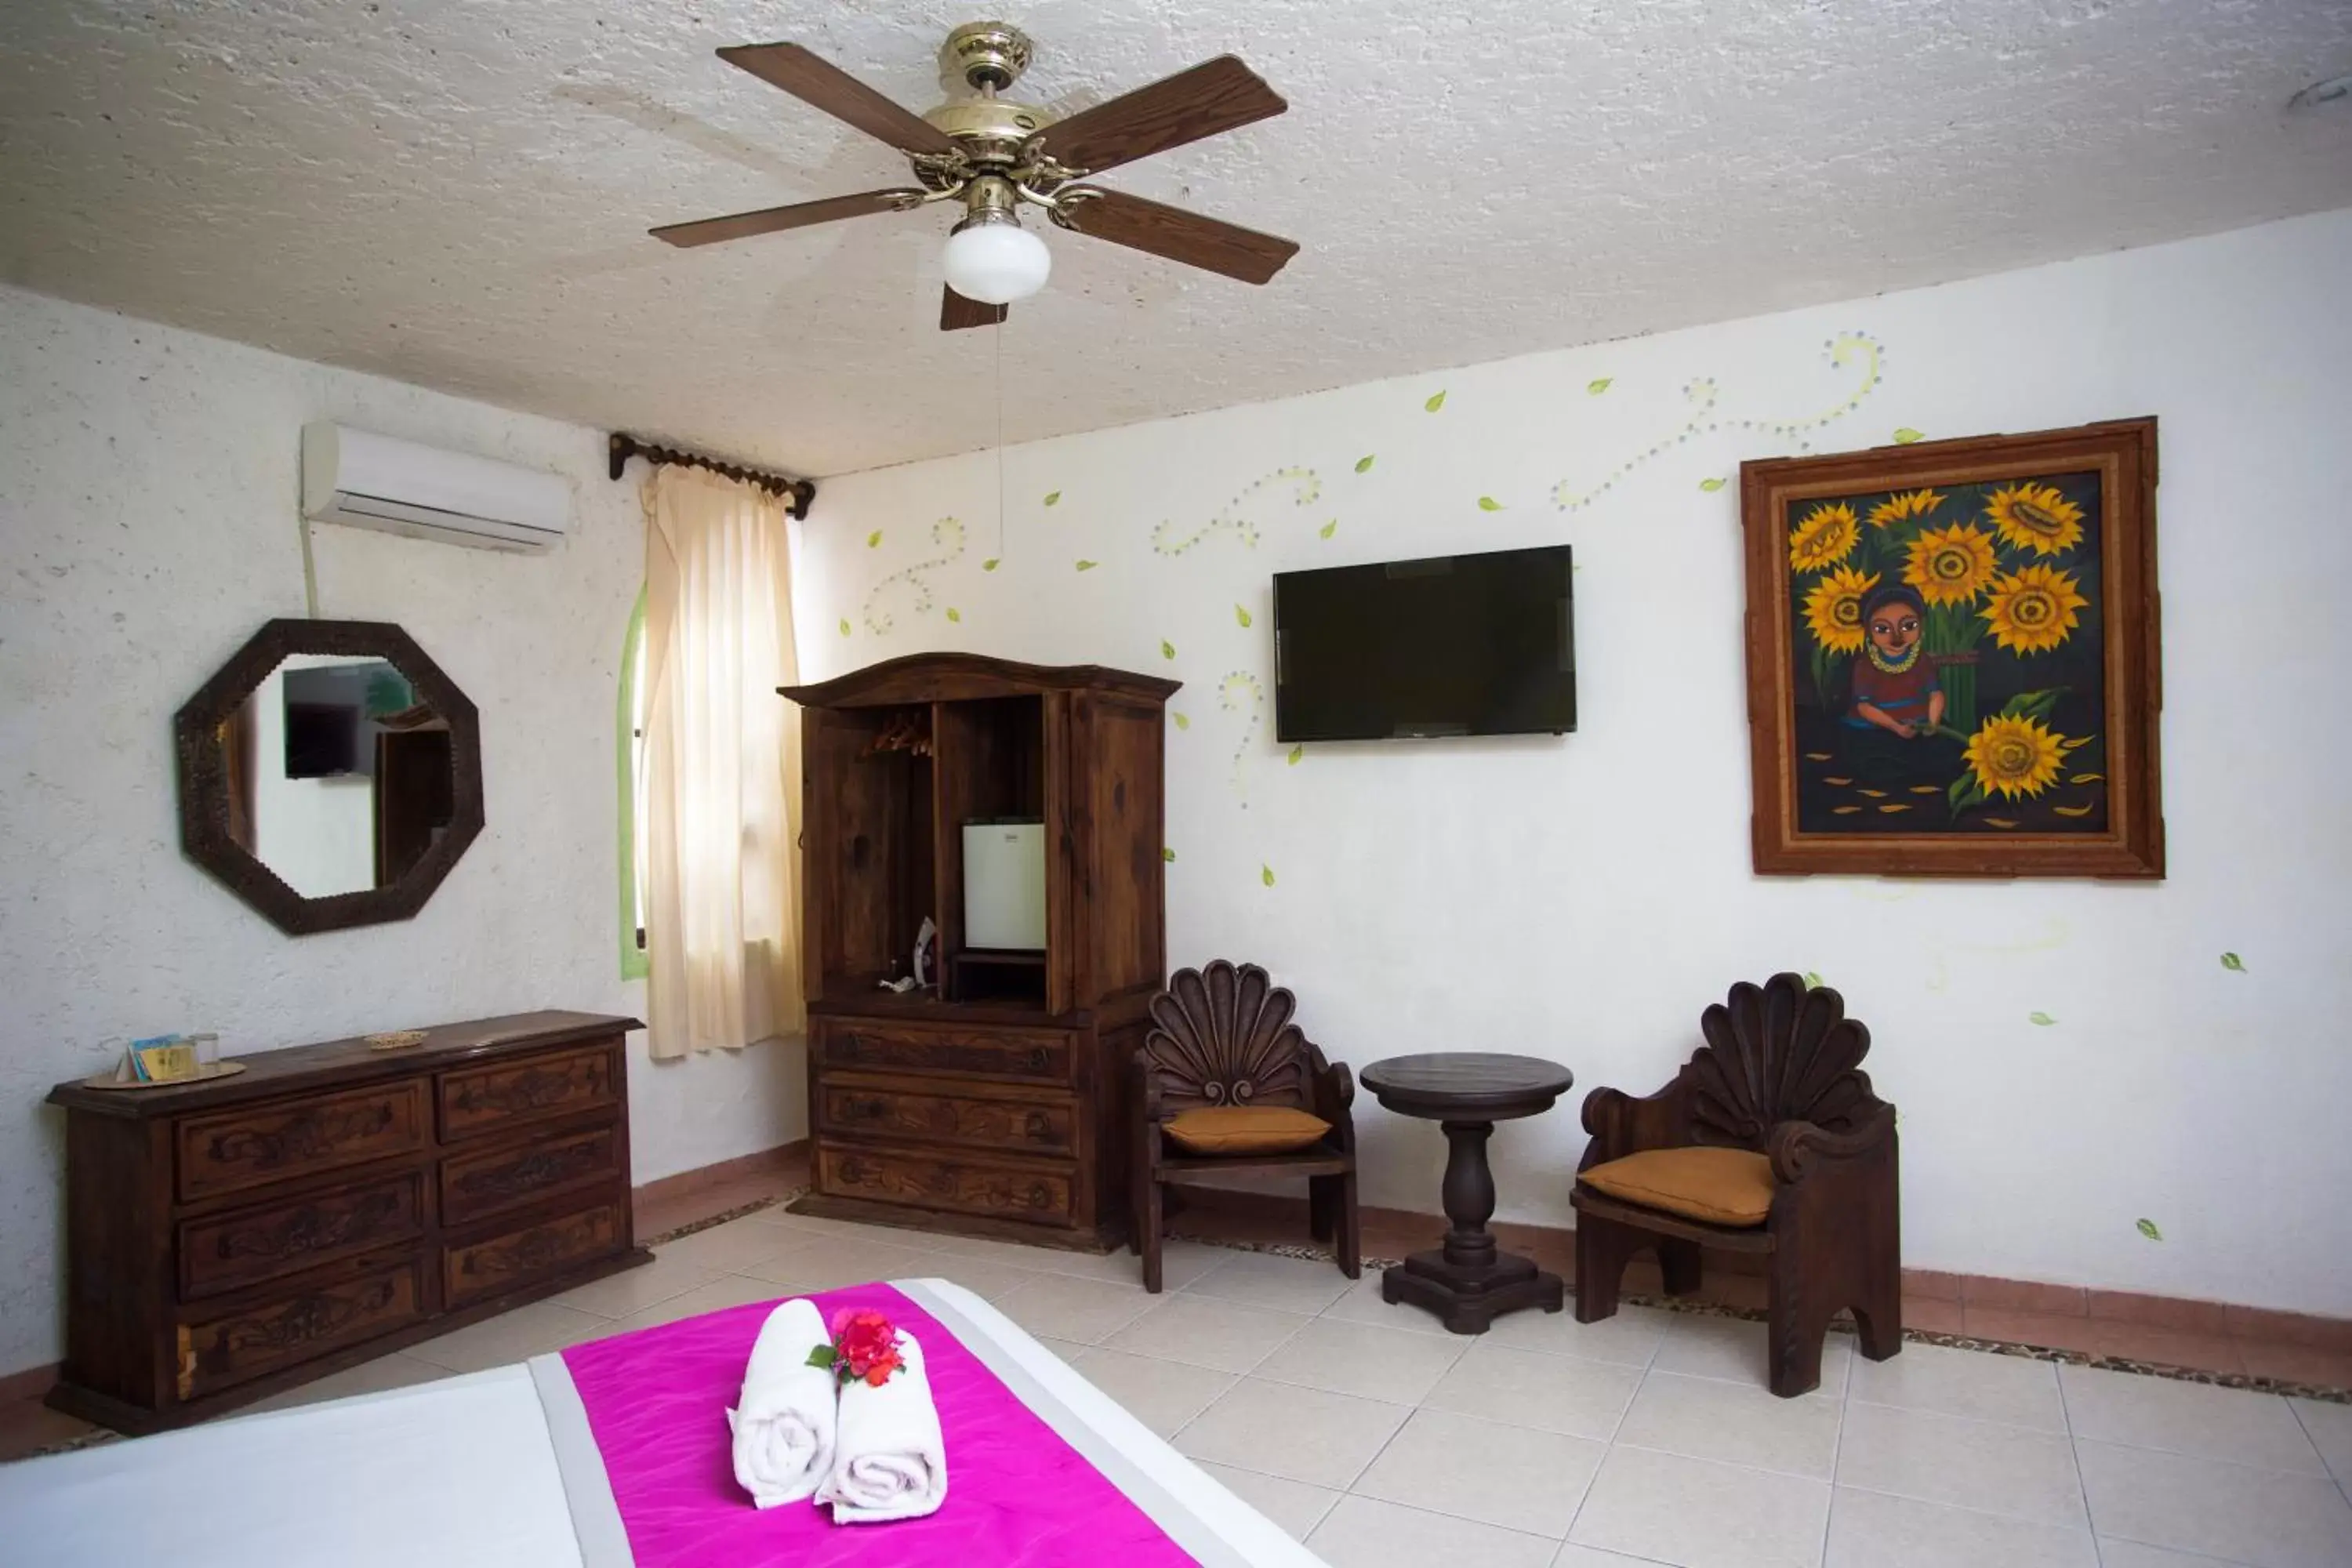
<point>989,56</point>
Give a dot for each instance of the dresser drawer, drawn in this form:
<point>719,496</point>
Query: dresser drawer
<point>234,1149</point>
<point>516,1258</point>
<point>1037,1056</point>
<point>503,1176</point>
<point>484,1099</point>
<point>236,1348</point>
<point>1039,1125</point>
<point>932,1181</point>
<point>226,1252</point>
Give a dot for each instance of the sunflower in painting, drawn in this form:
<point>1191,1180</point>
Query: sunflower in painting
<point>1899,510</point>
<point>2014,755</point>
<point>2032,610</point>
<point>2035,517</point>
<point>1950,565</point>
<point>1833,609</point>
<point>1824,537</point>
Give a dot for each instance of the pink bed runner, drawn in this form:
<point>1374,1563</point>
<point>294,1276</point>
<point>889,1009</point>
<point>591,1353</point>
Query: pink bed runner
<point>1017,1493</point>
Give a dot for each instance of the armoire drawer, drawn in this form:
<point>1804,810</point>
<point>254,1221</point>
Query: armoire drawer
<point>1030,1122</point>
<point>250,1147</point>
<point>253,1340</point>
<point>486,1100</point>
<point>1038,1055</point>
<point>488,1181</point>
<point>930,1180</point>
<point>514,1258</point>
<point>228,1251</point>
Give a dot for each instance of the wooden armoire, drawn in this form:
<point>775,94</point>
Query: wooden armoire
<point>995,1100</point>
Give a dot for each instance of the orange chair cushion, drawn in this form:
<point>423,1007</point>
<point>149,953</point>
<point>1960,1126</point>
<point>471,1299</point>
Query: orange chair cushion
<point>1721,1186</point>
<point>1246,1130</point>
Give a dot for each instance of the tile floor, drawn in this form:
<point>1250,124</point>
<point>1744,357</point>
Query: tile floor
<point>1378,1439</point>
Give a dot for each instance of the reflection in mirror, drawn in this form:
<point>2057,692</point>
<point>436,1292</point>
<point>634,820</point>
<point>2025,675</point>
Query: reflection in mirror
<point>339,775</point>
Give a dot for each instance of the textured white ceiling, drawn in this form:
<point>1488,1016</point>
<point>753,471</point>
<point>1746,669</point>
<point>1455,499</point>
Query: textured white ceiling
<point>456,194</point>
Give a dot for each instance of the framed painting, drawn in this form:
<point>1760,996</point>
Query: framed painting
<point>1952,657</point>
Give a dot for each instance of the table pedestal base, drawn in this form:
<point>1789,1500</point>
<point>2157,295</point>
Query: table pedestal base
<point>1469,1298</point>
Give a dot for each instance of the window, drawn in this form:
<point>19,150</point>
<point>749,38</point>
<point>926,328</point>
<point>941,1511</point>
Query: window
<point>631,760</point>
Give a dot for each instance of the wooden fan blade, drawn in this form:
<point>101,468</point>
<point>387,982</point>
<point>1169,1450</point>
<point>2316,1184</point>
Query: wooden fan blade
<point>1209,100</point>
<point>770,220</point>
<point>955,312</point>
<point>821,84</point>
<point>1177,234</point>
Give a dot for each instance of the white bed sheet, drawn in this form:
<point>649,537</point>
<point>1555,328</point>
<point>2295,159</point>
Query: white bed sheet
<point>448,1474</point>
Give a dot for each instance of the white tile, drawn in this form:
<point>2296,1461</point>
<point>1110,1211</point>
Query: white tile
<point>1182,1262</point>
<point>1361,1304</point>
<point>732,1248</point>
<point>832,1262</point>
<point>1087,1310</point>
<point>635,1289</point>
<point>1981,1465</point>
<point>2236,1425</point>
<point>1870,1529</point>
<point>1699,1514</point>
<point>1295,1506</point>
<point>1701,1345</point>
<point>983,1277</point>
<point>1277,1284</point>
<point>2330,1428</point>
<point>381,1375</point>
<point>1394,1364</point>
<point>1503,1476</point>
<point>1525,1388</point>
<point>1363,1533</point>
<point>513,1336</point>
<point>1704,1418</point>
<point>2113,1553</point>
<point>1068,1350</point>
<point>1162,1394</point>
<point>1206,1332</point>
<point>2275,1519</point>
<point>2014,1390</point>
<point>1631,1336</point>
<point>1299,1433</point>
<point>727,1290</point>
<point>1571,1555</point>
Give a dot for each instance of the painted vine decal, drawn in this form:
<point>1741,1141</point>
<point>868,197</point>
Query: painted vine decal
<point>1847,348</point>
<point>1307,487</point>
<point>948,534</point>
<point>1242,692</point>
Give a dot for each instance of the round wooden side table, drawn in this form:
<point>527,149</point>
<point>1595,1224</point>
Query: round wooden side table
<point>1469,1282</point>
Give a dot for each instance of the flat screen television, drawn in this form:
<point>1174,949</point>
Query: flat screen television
<point>1453,645</point>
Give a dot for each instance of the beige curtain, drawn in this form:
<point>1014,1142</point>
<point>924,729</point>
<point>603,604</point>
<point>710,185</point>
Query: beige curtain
<point>722,767</point>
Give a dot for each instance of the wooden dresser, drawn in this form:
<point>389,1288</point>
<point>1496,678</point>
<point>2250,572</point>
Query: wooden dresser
<point>998,1103</point>
<point>230,1238</point>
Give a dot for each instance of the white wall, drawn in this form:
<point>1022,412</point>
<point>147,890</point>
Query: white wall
<point>149,500</point>
<point>1584,899</point>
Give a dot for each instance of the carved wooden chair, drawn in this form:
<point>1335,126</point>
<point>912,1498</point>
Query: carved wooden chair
<point>1769,1141</point>
<point>1228,1084</point>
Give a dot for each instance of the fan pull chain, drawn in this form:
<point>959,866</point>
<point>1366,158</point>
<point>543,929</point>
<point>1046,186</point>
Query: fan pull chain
<point>996,342</point>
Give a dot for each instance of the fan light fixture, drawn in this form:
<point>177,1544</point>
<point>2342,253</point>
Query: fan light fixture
<point>991,259</point>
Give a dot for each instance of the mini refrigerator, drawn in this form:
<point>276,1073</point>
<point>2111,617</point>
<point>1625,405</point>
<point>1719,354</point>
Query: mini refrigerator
<point>1004,885</point>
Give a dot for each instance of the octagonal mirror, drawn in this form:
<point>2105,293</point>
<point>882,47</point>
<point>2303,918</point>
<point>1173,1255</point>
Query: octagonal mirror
<point>330,774</point>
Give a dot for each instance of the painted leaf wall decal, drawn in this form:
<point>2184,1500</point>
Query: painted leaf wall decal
<point>1297,752</point>
<point>2044,1019</point>
<point>1598,384</point>
<point>1085,565</point>
<point>1052,498</point>
<point>990,564</point>
<point>2146,1227</point>
<point>1364,464</point>
<point>1266,875</point>
<point>954,614</point>
<point>874,539</point>
<point>1182,723</point>
<point>844,626</point>
<point>1167,649</point>
<point>1712,485</point>
<point>2231,960</point>
<point>1166,853</point>
<point>1328,528</point>
<point>1488,503</point>
<point>1905,436</point>
<point>1241,615</point>
<point>1812,979</point>
<point>1436,401</point>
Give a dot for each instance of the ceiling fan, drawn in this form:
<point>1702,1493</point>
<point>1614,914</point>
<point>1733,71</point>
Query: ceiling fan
<point>994,156</point>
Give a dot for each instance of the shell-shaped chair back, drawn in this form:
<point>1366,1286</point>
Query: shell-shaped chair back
<point>1779,1052</point>
<point>1223,1036</point>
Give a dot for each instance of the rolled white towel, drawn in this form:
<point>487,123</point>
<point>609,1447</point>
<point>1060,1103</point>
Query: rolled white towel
<point>892,1462</point>
<point>787,1417</point>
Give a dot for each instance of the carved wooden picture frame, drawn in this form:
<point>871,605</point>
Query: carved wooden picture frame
<point>1953,657</point>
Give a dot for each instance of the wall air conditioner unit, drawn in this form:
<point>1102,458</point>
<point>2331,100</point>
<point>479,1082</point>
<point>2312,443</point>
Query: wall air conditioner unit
<point>398,487</point>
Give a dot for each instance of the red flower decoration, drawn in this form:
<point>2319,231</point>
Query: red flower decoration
<point>865,1345</point>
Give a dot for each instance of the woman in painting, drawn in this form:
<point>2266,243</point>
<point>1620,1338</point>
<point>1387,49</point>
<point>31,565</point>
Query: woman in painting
<point>1896,708</point>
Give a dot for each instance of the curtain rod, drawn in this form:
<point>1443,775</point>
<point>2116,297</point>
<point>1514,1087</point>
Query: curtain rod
<point>801,492</point>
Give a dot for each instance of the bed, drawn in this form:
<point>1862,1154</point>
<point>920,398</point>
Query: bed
<point>613,1455</point>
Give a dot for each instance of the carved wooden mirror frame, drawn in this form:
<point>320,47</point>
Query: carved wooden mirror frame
<point>204,782</point>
